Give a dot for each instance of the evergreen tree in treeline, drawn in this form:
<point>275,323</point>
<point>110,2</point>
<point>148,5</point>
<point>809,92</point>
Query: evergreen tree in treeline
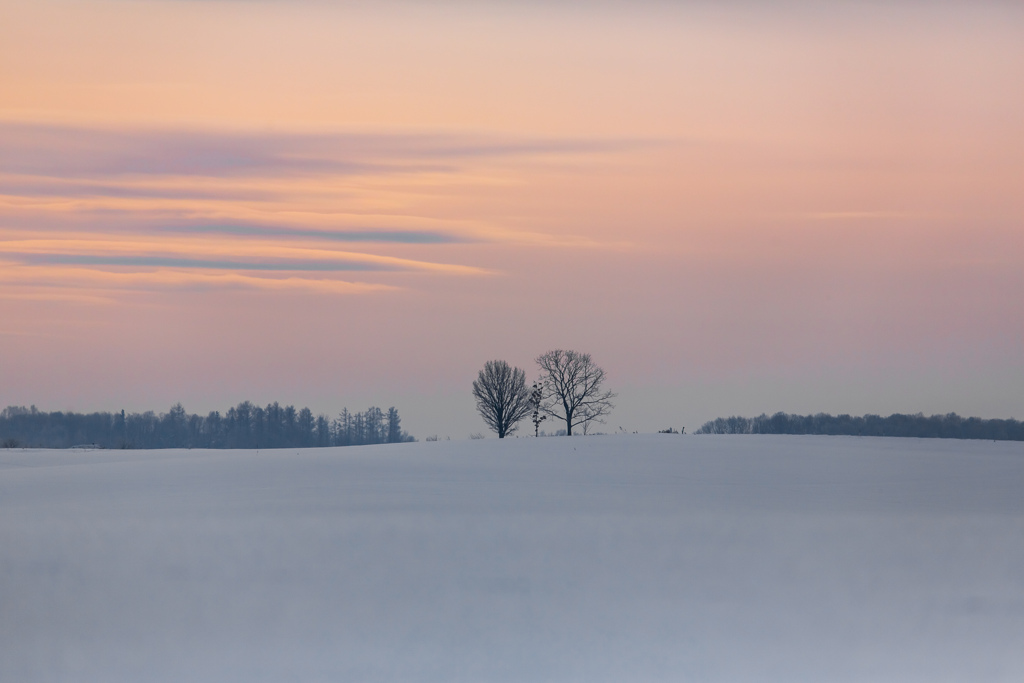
<point>950,426</point>
<point>244,426</point>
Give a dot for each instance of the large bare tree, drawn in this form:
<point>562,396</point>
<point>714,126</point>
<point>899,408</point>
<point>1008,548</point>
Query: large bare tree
<point>575,392</point>
<point>501,396</point>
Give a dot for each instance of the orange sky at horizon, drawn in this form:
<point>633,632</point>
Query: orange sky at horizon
<point>817,206</point>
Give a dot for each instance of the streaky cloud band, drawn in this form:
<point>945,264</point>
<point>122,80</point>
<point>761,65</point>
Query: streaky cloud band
<point>191,263</point>
<point>56,151</point>
<point>363,235</point>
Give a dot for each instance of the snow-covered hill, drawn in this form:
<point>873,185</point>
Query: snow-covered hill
<point>617,558</point>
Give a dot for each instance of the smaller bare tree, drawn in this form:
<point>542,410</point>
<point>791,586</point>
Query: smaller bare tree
<point>501,396</point>
<point>536,406</point>
<point>576,396</point>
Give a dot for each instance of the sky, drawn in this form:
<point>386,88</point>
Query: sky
<point>735,208</point>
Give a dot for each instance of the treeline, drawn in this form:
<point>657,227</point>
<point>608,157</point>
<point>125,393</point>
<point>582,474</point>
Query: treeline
<point>950,426</point>
<point>244,426</point>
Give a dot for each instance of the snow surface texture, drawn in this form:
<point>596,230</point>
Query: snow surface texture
<point>618,558</point>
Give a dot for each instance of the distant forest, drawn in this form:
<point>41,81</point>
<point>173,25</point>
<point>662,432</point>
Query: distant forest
<point>244,426</point>
<point>950,426</point>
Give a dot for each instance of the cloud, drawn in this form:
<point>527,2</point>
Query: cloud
<point>178,262</point>
<point>37,187</point>
<point>57,282</point>
<point>100,252</point>
<point>347,235</point>
<point>78,152</point>
<point>85,209</point>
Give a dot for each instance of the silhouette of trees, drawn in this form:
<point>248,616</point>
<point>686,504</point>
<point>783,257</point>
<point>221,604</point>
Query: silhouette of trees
<point>575,392</point>
<point>949,426</point>
<point>394,426</point>
<point>323,431</point>
<point>502,398</point>
<point>243,426</point>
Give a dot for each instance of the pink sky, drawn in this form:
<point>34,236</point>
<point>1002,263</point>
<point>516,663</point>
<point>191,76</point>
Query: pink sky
<point>811,208</point>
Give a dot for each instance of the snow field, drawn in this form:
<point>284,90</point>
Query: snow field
<point>617,558</point>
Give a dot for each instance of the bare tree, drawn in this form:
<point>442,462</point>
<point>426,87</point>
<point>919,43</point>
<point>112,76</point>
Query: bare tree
<point>501,396</point>
<point>576,395</point>
<point>536,406</point>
